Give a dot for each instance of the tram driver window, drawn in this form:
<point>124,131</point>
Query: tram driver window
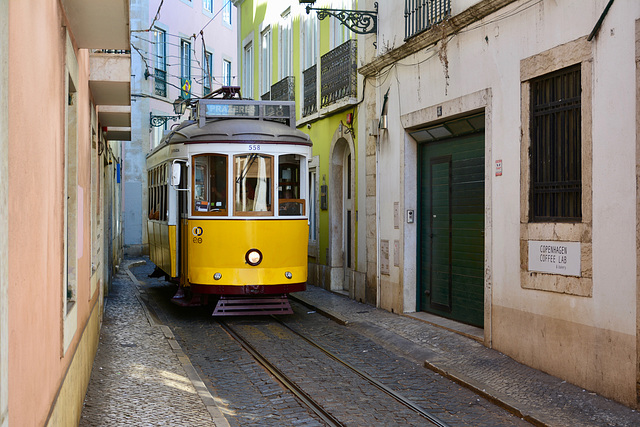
<point>253,184</point>
<point>290,201</point>
<point>210,185</point>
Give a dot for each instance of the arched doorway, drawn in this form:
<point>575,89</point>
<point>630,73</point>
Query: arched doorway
<point>342,215</point>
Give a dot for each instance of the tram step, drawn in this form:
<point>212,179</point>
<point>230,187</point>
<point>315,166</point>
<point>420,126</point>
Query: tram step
<point>239,306</point>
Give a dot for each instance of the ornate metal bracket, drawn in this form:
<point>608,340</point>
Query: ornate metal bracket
<point>358,21</point>
<point>157,121</point>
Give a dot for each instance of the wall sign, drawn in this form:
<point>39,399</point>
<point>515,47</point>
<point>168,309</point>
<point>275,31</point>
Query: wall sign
<point>555,257</point>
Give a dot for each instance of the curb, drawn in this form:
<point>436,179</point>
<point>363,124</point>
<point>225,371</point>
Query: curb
<point>208,400</point>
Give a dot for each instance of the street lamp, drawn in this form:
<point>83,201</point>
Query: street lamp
<point>358,21</point>
<point>179,106</point>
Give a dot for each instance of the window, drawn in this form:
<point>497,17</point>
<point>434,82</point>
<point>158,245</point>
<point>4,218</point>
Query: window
<point>420,16</point>
<point>226,72</point>
<point>226,12</point>
<point>265,62</point>
<point>253,184</point>
<point>209,185</point>
<point>158,134</point>
<point>247,71</point>
<point>157,180</point>
<point>207,5</point>
<point>340,33</point>
<point>291,201</point>
<point>284,47</point>
<point>556,182</point>
<point>310,40</point>
<point>313,205</point>
<point>185,69</point>
<point>160,50</point>
<point>207,71</point>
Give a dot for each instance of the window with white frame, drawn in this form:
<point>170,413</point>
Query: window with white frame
<point>265,61</point>
<point>207,71</point>
<point>226,12</point>
<point>247,70</point>
<point>160,61</point>
<point>207,5</point>
<point>285,47</point>
<point>185,68</point>
<point>310,41</point>
<point>226,72</point>
<point>340,33</point>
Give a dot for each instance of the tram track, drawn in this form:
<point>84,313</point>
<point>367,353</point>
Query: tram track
<point>316,407</point>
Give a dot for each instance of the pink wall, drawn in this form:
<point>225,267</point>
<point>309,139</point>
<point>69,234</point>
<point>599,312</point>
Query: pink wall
<point>36,210</point>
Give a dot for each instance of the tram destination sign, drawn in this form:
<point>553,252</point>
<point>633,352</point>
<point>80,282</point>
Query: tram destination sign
<point>555,257</point>
<point>232,109</point>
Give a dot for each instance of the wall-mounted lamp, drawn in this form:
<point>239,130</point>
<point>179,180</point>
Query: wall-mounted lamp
<point>358,21</point>
<point>179,105</point>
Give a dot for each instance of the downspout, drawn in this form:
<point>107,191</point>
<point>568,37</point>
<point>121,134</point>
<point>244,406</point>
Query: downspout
<point>599,23</point>
<point>378,268</point>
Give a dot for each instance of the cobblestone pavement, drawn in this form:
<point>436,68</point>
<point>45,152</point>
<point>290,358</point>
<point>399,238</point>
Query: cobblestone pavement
<point>534,395</point>
<point>140,377</point>
<point>143,374</point>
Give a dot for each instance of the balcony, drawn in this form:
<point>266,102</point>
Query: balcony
<point>284,90</point>
<point>420,15</point>
<point>338,74</point>
<point>99,24</point>
<point>310,90</point>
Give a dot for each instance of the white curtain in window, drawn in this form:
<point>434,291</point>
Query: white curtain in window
<point>260,202</point>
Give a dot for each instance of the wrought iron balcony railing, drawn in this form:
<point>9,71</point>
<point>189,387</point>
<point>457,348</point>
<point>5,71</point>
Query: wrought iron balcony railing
<point>161,82</point>
<point>310,91</point>
<point>284,90</point>
<point>338,73</point>
<point>420,15</point>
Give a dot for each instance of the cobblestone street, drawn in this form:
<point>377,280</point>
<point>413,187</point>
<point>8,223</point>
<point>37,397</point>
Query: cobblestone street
<point>159,364</point>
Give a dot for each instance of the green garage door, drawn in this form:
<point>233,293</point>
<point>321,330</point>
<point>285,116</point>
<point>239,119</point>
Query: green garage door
<point>451,223</point>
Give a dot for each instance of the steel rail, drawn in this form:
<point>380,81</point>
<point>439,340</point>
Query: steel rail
<point>290,385</point>
<point>397,396</point>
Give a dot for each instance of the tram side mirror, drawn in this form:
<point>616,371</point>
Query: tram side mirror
<point>175,174</point>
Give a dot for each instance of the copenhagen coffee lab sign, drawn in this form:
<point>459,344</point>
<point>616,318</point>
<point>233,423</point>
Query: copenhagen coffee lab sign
<point>555,257</point>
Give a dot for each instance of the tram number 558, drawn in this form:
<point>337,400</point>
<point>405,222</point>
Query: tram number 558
<point>254,147</point>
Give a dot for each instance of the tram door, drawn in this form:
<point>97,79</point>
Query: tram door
<point>183,215</point>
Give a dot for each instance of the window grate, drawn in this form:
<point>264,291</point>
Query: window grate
<point>556,149</point>
<point>420,15</point>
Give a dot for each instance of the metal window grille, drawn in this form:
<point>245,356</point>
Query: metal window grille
<point>556,165</point>
<point>420,15</point>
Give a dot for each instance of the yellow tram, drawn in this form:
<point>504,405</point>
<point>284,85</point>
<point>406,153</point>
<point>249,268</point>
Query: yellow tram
<point>228,211</point>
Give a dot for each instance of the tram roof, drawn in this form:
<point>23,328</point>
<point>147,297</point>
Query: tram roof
<point>237,130</point>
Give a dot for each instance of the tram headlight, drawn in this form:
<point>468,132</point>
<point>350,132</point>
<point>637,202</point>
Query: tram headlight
<point>217,276</point>
<point>253,257</point>
<point>288,275</point>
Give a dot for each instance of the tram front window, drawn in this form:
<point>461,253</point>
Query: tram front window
<point>210,184</point>
<point>253,184</point>
<point>290,201</point>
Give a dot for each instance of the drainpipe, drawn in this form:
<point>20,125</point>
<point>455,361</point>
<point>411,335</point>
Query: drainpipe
<point>599,23</point>
<point>378,268</point>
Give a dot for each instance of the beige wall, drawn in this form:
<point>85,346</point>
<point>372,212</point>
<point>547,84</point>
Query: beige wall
<point>37,360</point>
<point>4,223</point>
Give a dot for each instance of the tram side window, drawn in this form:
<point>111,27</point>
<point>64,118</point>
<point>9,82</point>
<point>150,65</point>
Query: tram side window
<point>253,184</point>
<point>290,201</point>
<point>210,185</point>
<point>158,188</point>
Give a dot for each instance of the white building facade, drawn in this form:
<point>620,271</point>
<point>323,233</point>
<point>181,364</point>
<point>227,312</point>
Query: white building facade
<point>503,139</point>
<point>180,48</point>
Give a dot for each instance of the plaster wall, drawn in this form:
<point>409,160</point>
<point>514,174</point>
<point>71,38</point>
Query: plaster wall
<point>589,340</point>
<point>4,217</point>
<point>38,358</point>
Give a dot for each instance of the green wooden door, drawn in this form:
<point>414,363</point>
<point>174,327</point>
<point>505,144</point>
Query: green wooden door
<point>451,222</point>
